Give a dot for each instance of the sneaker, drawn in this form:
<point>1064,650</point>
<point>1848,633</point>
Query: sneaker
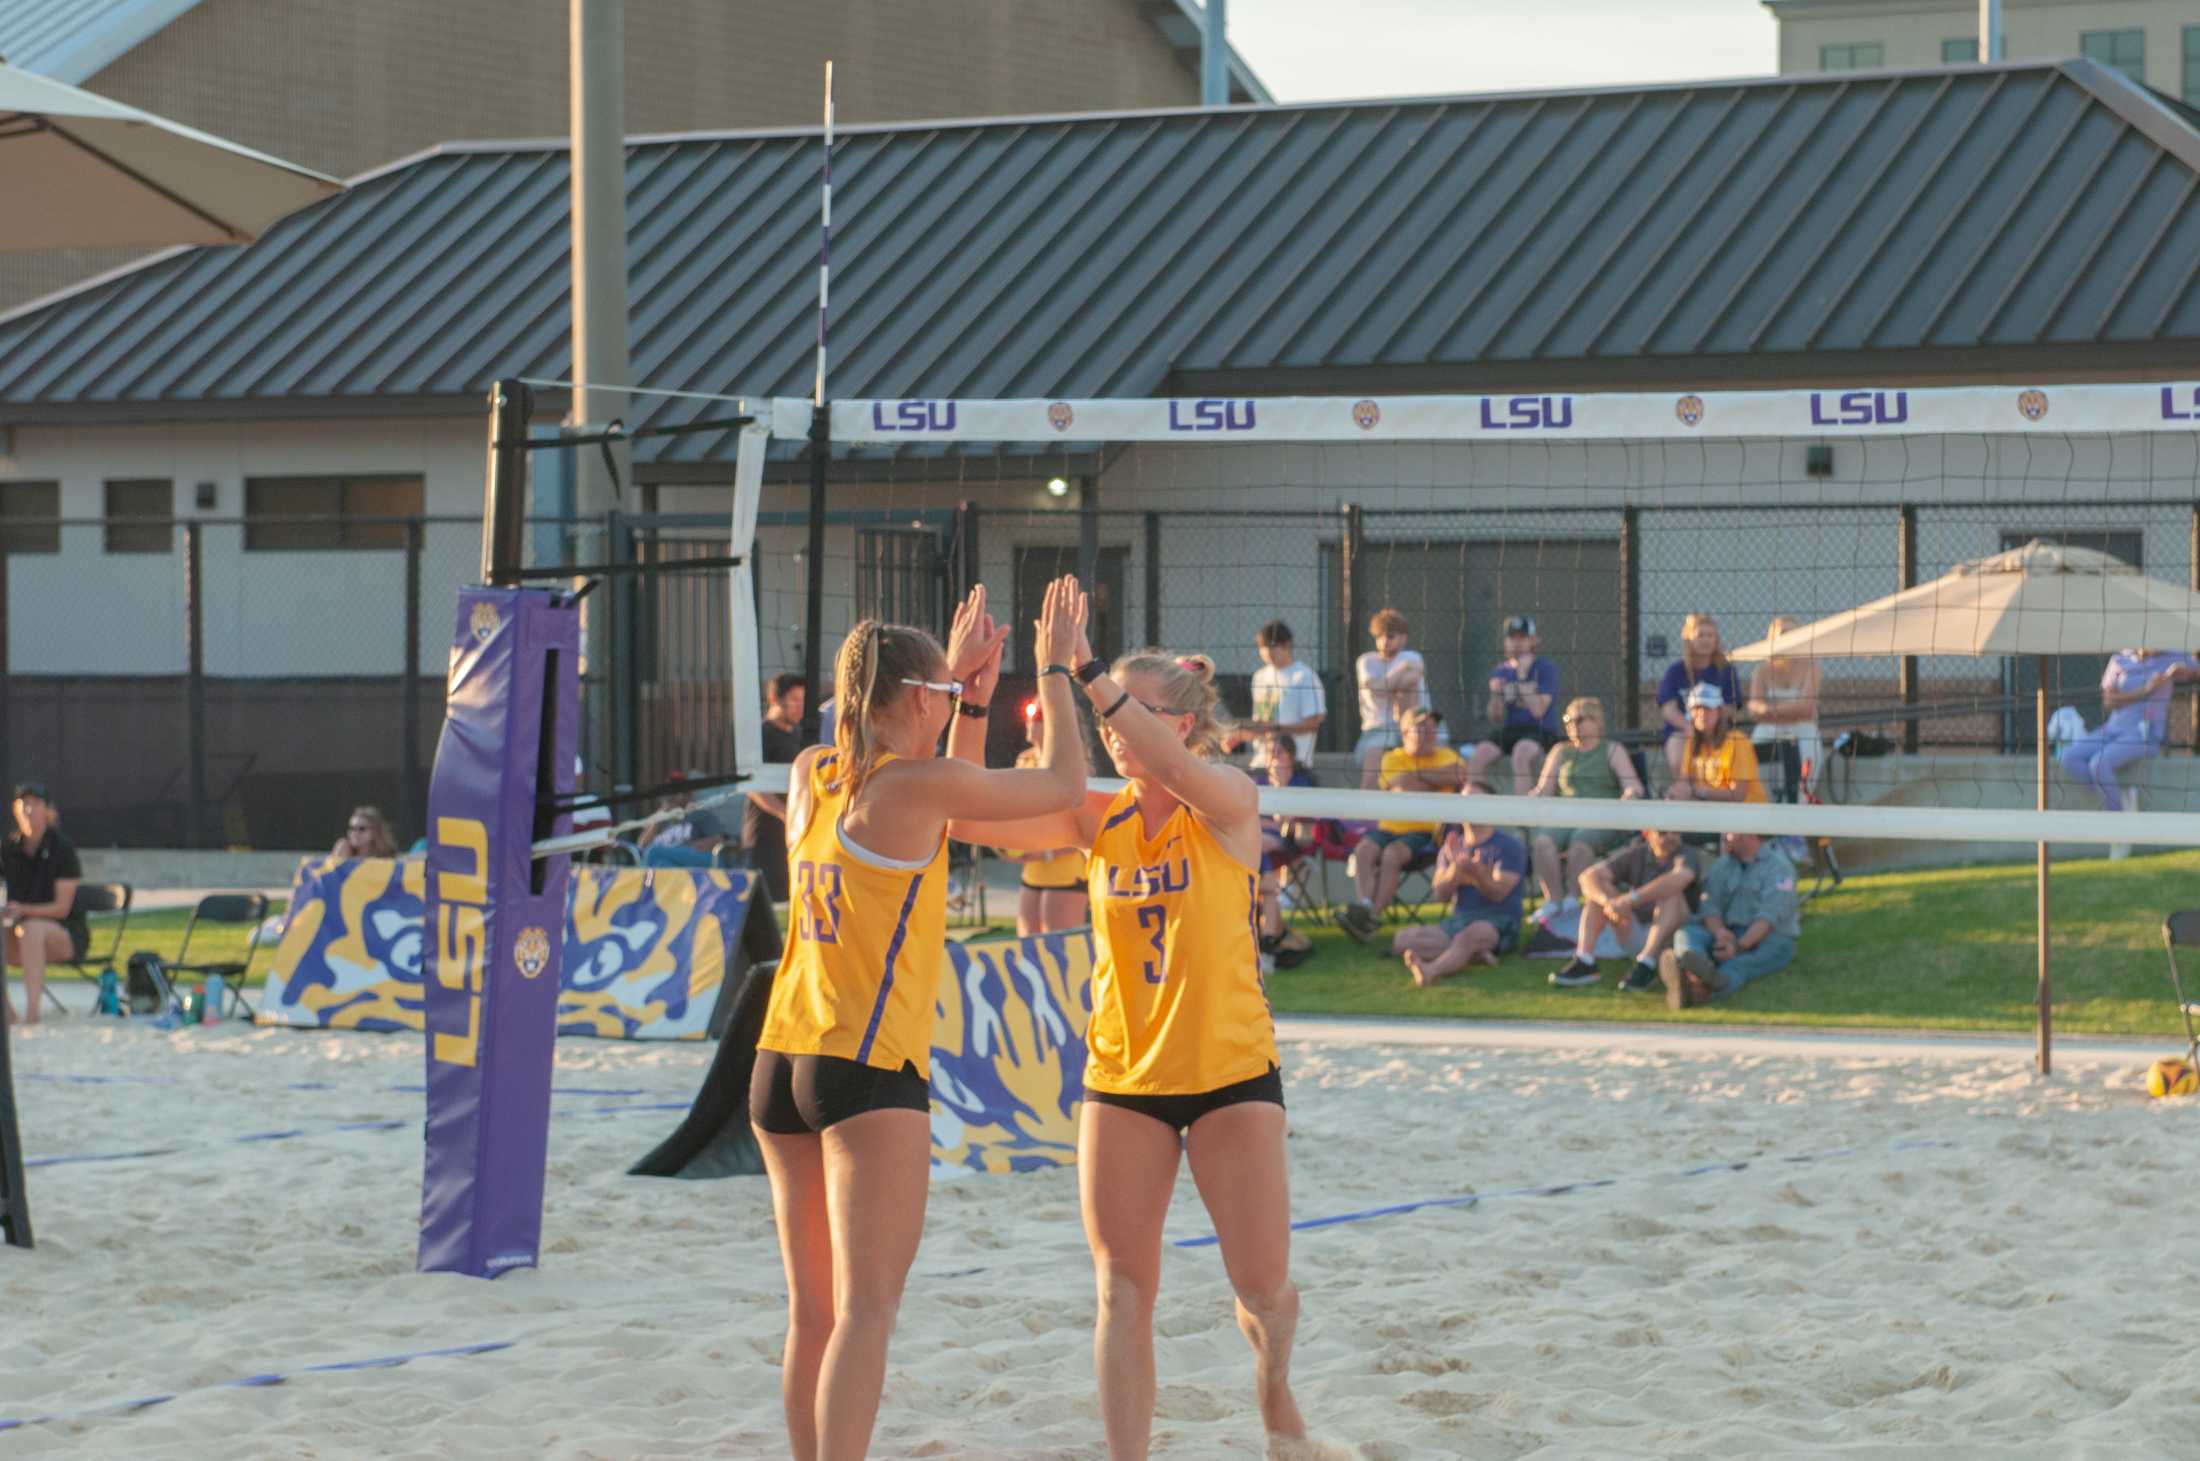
<point>1577,973</point>
<point>1640,980</point>
<point>1358,921</point>
<point>1684,987</point>
<point>1293,949</point>
<point>1269,942</point>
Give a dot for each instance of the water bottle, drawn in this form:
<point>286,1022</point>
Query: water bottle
<point>212,1014</point>
<point>110,993</point>
<point>193,1005</point>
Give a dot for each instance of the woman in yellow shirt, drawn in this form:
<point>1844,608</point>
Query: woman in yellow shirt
<point>1718,764</point>
<point>1053,894</point>
<point>1180,1052</point>
<point>840,1096</point>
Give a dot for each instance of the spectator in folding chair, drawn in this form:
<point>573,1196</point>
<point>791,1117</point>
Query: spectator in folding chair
<point>1384,856</point>
<point>1585,765</point>
<point>41,868</point>
<point>1484,871</point>
<point>1718,764</point>
<point>1285,842</point>
<point>691,839</point>
<point>1523,708</point>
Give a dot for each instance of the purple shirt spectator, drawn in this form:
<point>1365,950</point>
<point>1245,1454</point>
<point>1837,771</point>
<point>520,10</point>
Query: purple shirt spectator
<point>1677,683</point>
<point>2126,674</point>
<point>1541,679</point>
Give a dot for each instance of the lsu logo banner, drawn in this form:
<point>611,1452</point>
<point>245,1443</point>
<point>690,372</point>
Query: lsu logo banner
<point>645,948</point>
<point>1008,1052</point>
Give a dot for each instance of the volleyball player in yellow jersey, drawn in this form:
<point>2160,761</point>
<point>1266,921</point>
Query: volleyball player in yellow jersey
<point>840,1095</point>
<point>1180,1052</point>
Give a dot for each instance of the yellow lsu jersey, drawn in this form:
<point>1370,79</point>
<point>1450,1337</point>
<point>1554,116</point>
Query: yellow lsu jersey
<point>1178,1007</point>
<point>866,941</point>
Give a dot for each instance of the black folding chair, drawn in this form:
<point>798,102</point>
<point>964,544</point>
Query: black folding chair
<point>224,908</point>
<point>2183,929</point>
<point>94,898</point>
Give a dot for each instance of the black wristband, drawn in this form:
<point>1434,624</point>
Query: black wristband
<point>1090,670</point>
<point>975,712</point>
<point>1118,705</point>
<point>1046,670</point>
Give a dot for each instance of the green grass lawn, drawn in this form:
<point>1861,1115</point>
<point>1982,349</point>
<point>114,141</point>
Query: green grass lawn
<point>1945,949</point>
<point>162,933</point>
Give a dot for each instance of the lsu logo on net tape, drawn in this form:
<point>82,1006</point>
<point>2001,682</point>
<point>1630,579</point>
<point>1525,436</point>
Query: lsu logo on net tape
<point>1690,410</point>
<point>531,951</point>
<point>1365,414</point>
<point>1059,415</point>
<point>2032,405</point>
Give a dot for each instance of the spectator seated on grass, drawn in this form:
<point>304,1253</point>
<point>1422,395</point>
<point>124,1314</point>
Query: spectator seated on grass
<point>41,869</point>
<point>366,834</point>
<point>1484,871</point>
<point>1644,893</point>
<point>1393,684</point>
<point>1703,661</point>
<point>1523,708</point>
<point>2135,691</point>
<point>1283,841</point>
<point>1380,860</point>
<point>1719,764</point>
<point>691,839</point>
<point>1586,765</point>
<point>1745,928</point>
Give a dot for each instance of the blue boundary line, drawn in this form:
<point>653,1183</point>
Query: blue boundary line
<point>1559,1189</point>
<point>252,1382</point>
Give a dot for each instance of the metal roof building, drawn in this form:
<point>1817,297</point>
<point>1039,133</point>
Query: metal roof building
<point>1966,223</point>
<point>70,40</point>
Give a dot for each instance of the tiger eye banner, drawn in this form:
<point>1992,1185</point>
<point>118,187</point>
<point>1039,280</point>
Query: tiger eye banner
<point>645,948</point>
<point>1008,1052</point>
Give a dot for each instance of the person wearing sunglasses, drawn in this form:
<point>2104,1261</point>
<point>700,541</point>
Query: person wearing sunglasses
<point>840,1096</point>
<point>367,834</point>
<point>42,870</point>
<point>1181,1058</point>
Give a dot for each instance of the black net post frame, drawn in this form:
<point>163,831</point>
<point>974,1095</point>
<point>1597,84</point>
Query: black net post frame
<point>15,1199</point>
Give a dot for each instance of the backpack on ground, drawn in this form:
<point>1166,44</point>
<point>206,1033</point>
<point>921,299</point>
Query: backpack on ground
<point>146,988</point>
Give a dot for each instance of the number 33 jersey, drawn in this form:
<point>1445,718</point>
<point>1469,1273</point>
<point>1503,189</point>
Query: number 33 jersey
<point>866,939</point>
<point>1177,1003</point>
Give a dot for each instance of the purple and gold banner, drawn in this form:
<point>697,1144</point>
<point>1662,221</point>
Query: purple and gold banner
<point>1008,1052</point>
<point>492,955</point>
<point>645,950</point>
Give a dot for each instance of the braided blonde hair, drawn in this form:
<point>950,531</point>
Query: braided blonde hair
<point>867,676</point>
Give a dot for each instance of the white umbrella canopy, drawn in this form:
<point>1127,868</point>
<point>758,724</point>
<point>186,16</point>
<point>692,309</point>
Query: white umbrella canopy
<point>80,171</point>
<point>2037,599</point>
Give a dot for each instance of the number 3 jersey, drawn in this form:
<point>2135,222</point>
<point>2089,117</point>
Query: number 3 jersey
<point>1177,1003</point>
<point>866,939</point>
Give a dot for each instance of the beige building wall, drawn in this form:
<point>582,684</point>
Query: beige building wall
<point>2034,30</point>
<point>344,87</point>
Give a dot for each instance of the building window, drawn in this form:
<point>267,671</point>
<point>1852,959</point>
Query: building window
<point>2192,65</point>
<point>141,515</point>
<point>22,504</point>
<point>2126,50</point>
<point>1958,51</point>
<point>288,514</point>
<point>1857,56</point>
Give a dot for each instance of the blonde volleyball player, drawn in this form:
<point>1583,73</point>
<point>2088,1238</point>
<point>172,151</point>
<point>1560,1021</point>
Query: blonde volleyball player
<point>840,1096</point>
<point>1181,1052</point>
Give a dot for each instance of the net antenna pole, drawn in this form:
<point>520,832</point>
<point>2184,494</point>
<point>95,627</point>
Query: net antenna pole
<point>821,447</point>
<point>2046,991</point>
<point>15,1200</point>
<point>1992,46</point>
<point>748,690</point>
<point>504,501</point>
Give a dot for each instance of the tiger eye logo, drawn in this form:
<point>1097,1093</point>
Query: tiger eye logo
<point>1365,414</point>
<point>1059,415</point>
<point>2032,405</point>
<point>1690,410</point>
<point>485,622</point>
<point>531,951</point>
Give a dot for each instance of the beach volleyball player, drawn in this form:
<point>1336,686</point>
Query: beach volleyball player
<point>840,1097</point>
<point>1181,1051</point>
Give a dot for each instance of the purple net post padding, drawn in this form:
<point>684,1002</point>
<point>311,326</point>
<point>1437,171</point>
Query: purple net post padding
<point>494,930</point>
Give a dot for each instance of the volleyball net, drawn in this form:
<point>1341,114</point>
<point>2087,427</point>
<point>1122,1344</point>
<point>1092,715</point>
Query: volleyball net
<point>1609,521</point>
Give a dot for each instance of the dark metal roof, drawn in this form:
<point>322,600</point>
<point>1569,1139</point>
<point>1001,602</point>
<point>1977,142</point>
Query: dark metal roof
<point>2034,217</point>
<point>71,40</point>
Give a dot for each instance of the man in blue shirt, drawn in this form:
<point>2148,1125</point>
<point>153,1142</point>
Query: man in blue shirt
<point>1523,708</point>
<point>1745,928</point>
<point>1483,870</point>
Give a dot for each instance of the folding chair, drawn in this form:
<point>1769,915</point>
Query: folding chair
<point>1306,880</point>
<point>2183,929</point>
<point>94,898</point>
<point>224,908</point>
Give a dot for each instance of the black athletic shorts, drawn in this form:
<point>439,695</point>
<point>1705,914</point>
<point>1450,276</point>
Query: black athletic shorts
<point>1513,735</point>
<point>794,1095</point>
<point>1181,1111</point>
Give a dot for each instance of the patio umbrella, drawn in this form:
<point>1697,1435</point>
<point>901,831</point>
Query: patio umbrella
<point>80,171</point>
<point>2039,599</point>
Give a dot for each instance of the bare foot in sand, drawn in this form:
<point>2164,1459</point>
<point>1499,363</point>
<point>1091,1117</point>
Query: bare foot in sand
<point>1304,1448</point>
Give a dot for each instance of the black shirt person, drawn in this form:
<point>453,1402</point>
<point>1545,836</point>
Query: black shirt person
<point>42,870</point>
<point>763,828</point>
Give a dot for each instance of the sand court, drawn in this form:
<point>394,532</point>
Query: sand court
<point>1799,1246</point>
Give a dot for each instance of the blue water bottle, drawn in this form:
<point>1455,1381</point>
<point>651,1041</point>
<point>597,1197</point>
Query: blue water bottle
<point>110,993</point>
<point>211,1012</point>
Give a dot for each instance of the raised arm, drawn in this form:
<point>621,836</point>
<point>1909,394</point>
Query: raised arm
<point>1037,808</point>
<point>974,658</point>
<point>1220,795</point>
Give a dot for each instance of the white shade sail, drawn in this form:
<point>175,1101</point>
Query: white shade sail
<point>80,171</point>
